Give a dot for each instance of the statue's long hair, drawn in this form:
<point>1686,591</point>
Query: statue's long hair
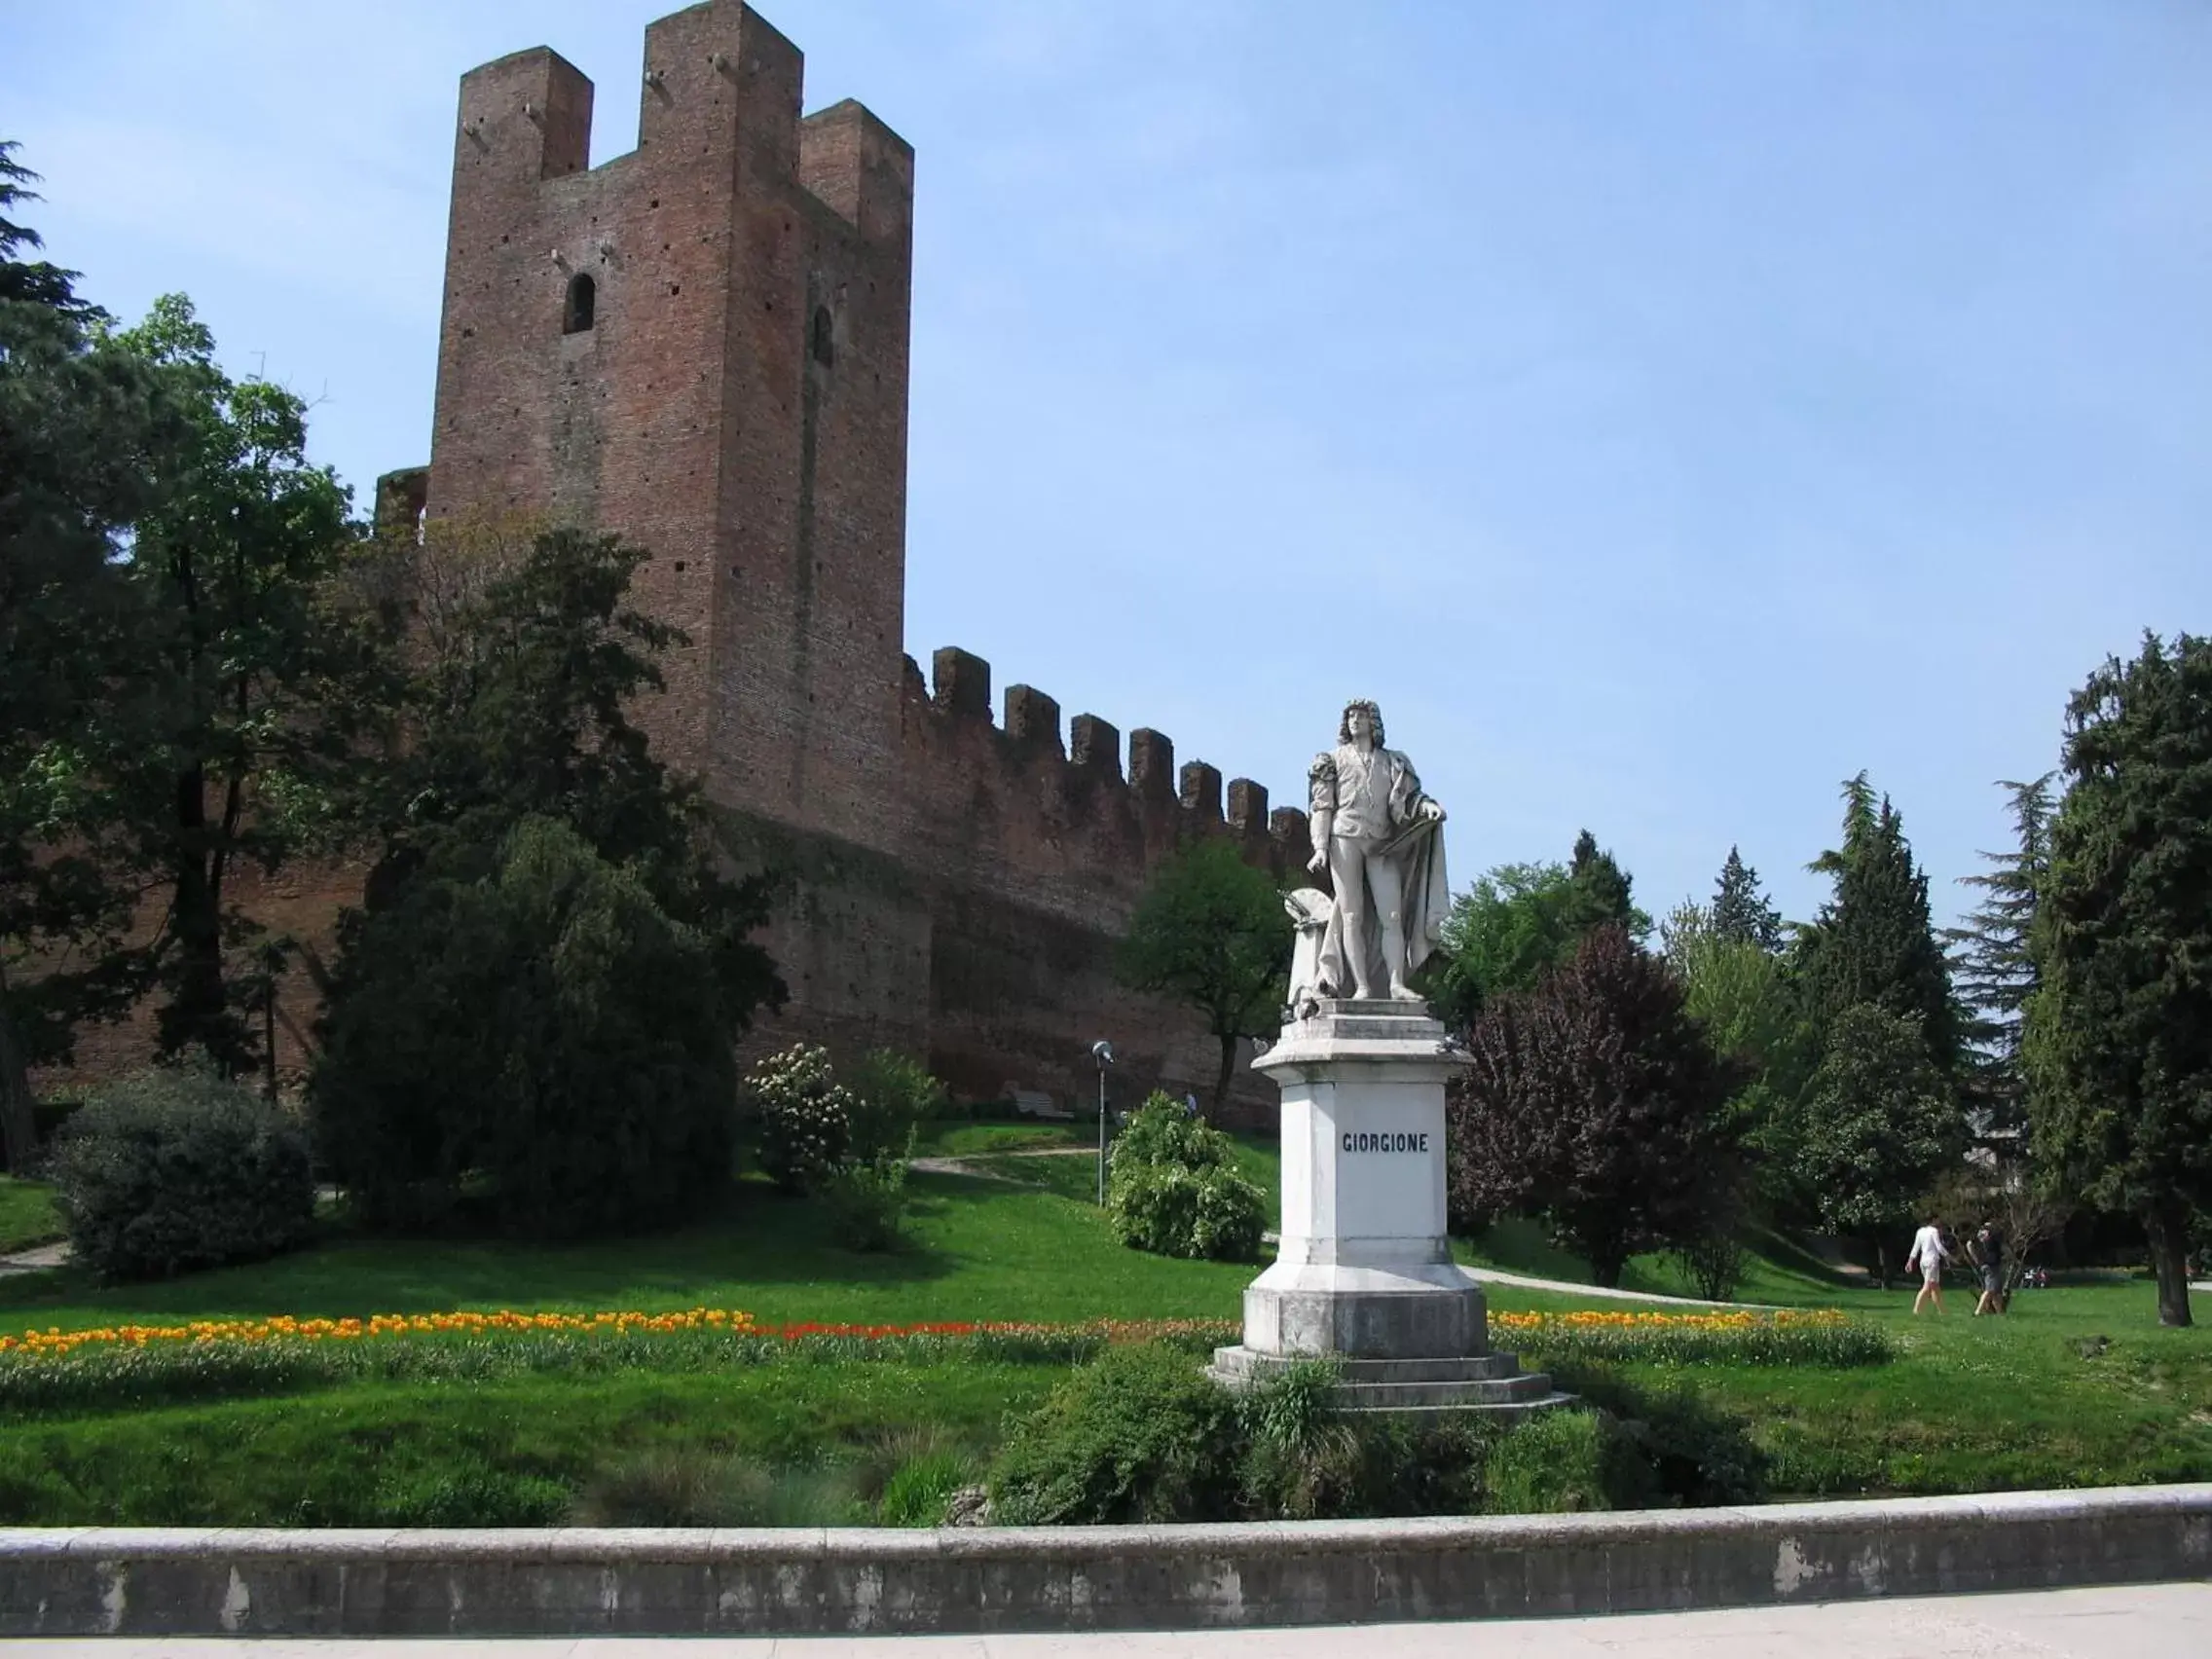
<point>1374,717</point>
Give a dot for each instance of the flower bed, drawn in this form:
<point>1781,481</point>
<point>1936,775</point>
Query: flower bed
<point>145,1364</point>
<point>1782,1336</point>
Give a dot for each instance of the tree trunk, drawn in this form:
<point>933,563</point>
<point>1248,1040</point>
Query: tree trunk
<point>1605,1266</point>
<point>196,1012</point>
<point>19,1128</point>
<point>1220,1078</point>
<point>2168,1233</point>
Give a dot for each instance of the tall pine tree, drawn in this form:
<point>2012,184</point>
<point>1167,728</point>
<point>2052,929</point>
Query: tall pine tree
<point>1993,967</point>
<point>2119,1032</point>
<point>1740,912</point>
<point>1872,942</point>
<point>1599,892</point>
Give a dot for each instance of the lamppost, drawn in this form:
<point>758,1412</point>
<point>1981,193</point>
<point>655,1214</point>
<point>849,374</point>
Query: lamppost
<point>1103,1053</point>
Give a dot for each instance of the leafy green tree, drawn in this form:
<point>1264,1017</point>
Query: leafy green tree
<point>1873,940</point>
<point>1504,934</point>
<point>1740,912</point>
<point>1596,1102</point>
<point>1877,1128</point>
<point>80,426</point>
<point>1520,921</point>
<point>1211,932</point>
<point>257,679</point>
<point>1994,971</point>
<point>1742,995</point>
<point>545,1032</point>
<point>2119,1032</point>
<point>516,716</point>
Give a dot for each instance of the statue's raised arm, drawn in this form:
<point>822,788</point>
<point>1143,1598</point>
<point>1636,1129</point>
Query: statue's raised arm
<point>1376,834</point>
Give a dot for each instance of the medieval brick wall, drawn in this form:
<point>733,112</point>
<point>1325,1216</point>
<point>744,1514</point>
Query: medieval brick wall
<point>738,406</point>
<point>702,345</point>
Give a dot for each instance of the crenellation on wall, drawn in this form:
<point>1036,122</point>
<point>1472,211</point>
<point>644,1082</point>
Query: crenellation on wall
<point>1247,807</point>
<point>963,684</point>
<point>1095,746</point>
<point>1293,838</point>
<point>1199,791</point>
<point>524,118</point>
<point>860,168</point>
<point>401,494</point>
<point>1152,765</point>
<point>1032,720</point>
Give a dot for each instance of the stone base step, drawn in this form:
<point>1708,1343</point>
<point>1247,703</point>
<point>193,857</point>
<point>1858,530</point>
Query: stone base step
<point>1509,1409</point>
<point>1244,1364</point>
<point>1471,1383</point>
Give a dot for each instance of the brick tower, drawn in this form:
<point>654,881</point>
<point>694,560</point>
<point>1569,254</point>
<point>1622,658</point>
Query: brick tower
<point>702,345</point>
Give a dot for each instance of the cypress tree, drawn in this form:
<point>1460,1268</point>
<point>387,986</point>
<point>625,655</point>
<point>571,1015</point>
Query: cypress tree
<point>1740,912</point>
<point>1872,942</point>
<point>1599,892</point>
<point>1993,964</point>
<point>2119,1032</point>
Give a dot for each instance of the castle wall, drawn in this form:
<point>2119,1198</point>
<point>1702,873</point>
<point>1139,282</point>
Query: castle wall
<point>737,405</point>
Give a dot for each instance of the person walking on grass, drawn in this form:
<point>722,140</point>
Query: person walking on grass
<point>1928,1254</point>
<point>1986,1250</point>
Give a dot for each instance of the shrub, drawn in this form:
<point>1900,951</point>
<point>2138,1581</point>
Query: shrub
<point>1695,1454</point>
<point>545,1034</point>
<point>1139,1434</point>
<point>803,1117</point>
<point>1173,1188</point>
<point>869,1200</point>
<point>889,1097</point>
<point>920,1490</point>
<point>1559,1462</point>
<point>178,1169</point>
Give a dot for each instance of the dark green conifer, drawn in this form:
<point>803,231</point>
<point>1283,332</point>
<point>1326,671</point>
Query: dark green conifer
<point>1740,912</point>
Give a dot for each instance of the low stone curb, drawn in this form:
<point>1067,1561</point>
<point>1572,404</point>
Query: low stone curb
<point>101,1581</point>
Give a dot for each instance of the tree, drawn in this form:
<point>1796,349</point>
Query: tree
<point>1599,892</point>
<point>80,425</point>
<point>1740,912</point>
<point>1504,934</point>
<point>1872,942</point>
<point>546,1031</point>
<point>1520,921</point>
<point>258,684</point>
<point>1877,1128</point>
<point>2119,1032</point>
<point>1210,931</point>
<point>1993,968</point>
<point>1596,1102</point>
<point>1742,996</point>
<point>516,717</point>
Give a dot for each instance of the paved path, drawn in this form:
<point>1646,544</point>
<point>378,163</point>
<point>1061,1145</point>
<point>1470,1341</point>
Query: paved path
<point>36,1260</point>
<point>2157,1621</point>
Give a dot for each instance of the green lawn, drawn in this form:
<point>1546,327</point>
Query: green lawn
<point>28,1215</point>
<point>960,1140</point>
<point>2031,1399</point>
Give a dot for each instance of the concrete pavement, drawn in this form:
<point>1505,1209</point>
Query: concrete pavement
<point>2150,1621</point>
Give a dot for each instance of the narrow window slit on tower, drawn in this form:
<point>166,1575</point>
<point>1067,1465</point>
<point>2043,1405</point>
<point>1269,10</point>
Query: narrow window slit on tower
<point>820,339</point>
<point>583,297</point>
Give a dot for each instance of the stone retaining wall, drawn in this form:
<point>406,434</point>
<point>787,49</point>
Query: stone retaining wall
<point>100,1581</point>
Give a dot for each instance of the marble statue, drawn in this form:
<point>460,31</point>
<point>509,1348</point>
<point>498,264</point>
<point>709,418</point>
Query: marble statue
<point>1377,835</point>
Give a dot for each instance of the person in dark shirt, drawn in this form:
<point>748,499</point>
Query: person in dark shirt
<point>1987,1249</point>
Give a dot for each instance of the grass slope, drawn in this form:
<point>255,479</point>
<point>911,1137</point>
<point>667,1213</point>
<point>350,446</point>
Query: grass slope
<point>2075,1386</point>
<point>28,1215</point>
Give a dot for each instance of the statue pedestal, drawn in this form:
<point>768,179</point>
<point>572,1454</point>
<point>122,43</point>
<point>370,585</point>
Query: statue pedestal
<point>1364,1272</point>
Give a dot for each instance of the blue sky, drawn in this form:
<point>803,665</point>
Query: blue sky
<point>1665,411</point>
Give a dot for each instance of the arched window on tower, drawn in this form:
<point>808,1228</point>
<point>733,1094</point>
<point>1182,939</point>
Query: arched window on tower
<point>583,297</point>
<point>822,337</point>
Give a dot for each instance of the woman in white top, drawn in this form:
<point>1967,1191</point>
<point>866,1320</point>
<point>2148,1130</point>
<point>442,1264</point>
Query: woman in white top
<point>1928,1254</point>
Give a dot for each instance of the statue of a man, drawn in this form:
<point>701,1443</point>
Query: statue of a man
<point>1377,835</point>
